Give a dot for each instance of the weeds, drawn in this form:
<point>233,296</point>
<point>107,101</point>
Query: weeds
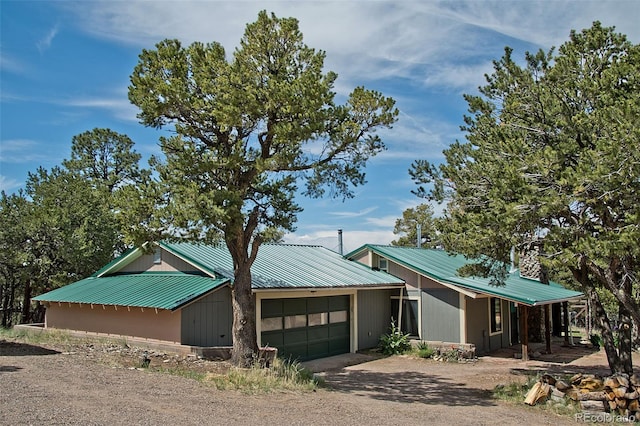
<point>395,342</point>
<point>283,375</point>
<point>515,393</point>
<point>424,350</point>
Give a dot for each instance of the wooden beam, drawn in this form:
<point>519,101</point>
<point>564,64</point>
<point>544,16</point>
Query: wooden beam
<point>547,327</point>
<point>565,323</point>
<point>525,332</point>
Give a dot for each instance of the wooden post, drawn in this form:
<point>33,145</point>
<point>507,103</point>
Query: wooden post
<point>525,333</point>
<point>565,323</point>
<point>547,327</point>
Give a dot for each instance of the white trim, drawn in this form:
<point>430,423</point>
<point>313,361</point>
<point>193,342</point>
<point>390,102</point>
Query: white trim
<point>454,287</point>
<point>420,306</point>
<point>199,268</point>
<point>123,261</point>
<point>463,318</point>
<point>401,299</point>
<point>353,346</point>
<point>324,290</point>
<point>495,333</point>
<point>258,319</point>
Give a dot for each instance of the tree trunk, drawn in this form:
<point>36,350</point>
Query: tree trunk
<point>624,340</point>
<point>26,303</point>
<point>245,342</point>
<point>602,321</point>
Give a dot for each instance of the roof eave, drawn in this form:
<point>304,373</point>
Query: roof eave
<point>386,286</point>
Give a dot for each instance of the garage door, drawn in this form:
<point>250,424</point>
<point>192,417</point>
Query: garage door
<point>306,328</point>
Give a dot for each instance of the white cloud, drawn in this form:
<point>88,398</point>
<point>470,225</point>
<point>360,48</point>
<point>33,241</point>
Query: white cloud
<point>45,42</point>
<point>351,239</point>
<point>10,64</point>
<point>119,107</point>
<point>8,185</point>
<point>18,151</point>
<point>369,40</point>
<point>354,214</point>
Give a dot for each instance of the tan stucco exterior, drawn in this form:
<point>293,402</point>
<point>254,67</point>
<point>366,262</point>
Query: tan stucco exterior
<point>147,323</point>
<point>167,262</point>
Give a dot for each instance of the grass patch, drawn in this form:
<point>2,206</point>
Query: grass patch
<point>37,337</point>
<point>282,375</point>
<point>515,393</point>
<point>423,350</point>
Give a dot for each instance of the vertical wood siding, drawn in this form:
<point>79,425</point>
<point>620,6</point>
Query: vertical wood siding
<point>208,321</point>
<point>440,315</point>
<point>374,316</point>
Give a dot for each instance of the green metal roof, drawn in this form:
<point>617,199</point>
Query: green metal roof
<point>148,290</point>
<point>286,266</point>
<point>443,267</point>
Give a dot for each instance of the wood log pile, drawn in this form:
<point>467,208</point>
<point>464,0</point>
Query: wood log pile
<point>618,395</point>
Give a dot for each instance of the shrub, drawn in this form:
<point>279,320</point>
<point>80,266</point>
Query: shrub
<point>395,342</point>
<point>425,351</point>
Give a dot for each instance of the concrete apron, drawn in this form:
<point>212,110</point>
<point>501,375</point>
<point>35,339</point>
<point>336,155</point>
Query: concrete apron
<point>337,362</point>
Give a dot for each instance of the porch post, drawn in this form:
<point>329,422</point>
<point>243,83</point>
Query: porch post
<point>547,327</point>
<point>400,310</point>
<point>525,332</point>
<point>565,323</point>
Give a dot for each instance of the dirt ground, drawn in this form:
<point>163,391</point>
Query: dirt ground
<point>98,384</point>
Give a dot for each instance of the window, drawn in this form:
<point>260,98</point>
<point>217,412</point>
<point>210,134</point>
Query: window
<point>409,315</point>
<point>337,316</point>
<point>271,324</point>
<point>295,321</point>
<point>318,319</point>
<point>383,265</point>
<point>157,256</point>
<point>496,314</point>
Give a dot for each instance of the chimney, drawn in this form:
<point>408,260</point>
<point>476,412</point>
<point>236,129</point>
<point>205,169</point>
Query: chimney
<point>340,246</point>
<point>530,266</point>
<point>419,235</point>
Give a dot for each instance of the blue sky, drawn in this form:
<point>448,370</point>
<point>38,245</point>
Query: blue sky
<point>65,69</point>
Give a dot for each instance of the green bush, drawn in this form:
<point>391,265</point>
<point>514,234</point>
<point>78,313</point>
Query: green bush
<point>425,351</point>
<point>395,342</point>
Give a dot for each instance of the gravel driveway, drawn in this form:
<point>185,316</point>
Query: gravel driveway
<point>47,386</point>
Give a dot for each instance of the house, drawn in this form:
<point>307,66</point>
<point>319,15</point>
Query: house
<point>310,301</point>
<point>437,304</point>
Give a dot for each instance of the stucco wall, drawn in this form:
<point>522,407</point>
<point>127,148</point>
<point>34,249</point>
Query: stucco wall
<point>168,263</point>
<point>399,271</point>
<point>163,325</point>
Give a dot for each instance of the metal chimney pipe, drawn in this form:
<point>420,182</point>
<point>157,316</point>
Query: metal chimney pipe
<point>419,238</point>
<point>340,247</point>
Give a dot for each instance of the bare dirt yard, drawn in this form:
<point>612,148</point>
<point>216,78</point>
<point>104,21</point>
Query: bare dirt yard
<point>99,384</point>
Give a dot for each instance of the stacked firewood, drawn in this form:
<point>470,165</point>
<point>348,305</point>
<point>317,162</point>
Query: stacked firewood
<point>618,394</point>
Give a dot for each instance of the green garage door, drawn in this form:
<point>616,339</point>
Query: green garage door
<point>306,328</point>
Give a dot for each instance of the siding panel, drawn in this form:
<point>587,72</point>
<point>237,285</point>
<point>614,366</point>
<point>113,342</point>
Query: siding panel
<point>208,321</point>
<point>374,316</point>
<point>440,315</point>
<point>478,324</point>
